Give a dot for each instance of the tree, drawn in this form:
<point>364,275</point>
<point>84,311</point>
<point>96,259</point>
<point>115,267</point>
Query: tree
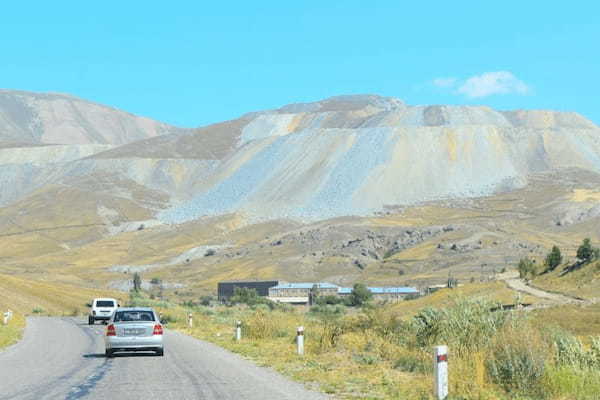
<point>585,252</point>
<point>137,282</point>
<point>527,268</point>
<point>553,259</point>
<point>313,294</point>
<point>155,281</point>
<point>249,297</point>
<point>206,300</point>
<point>360,295</point>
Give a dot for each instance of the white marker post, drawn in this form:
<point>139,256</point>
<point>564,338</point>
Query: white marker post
<point>300,340</point>
<point>5,319</point>
<point>238,331</point>
<point>190,321</point>
<point>440,372</point>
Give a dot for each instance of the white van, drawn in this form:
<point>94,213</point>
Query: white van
<point>102,310</point>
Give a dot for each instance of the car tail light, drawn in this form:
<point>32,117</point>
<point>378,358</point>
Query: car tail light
<point>111,331</point>
<point>158,330</point>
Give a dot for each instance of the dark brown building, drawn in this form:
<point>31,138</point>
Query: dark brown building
<point>225,289</point>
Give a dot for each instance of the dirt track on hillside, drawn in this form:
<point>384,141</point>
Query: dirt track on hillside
<point>515,283</point>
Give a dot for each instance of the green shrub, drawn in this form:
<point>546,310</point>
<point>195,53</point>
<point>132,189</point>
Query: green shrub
<point>467,324</point>
<point>570,352</point>
<point>562,382</point>
<point>386,325</point>
<point>260,325</point>
<point>331,300</point>
<point>517,367</point>
<point>168,319</point>
<point>527,268</point>
<point>429,326</point>
<point>37,310</point>
<point>330,334</point>
<point>206,300</point>
<point>328,310</point>
<point>366,358</point>
<point>553,259</point>
<point>249,297</point>
<point>409,362</point>
<point>360,295</point>
<point>585,252</point>
<point>188,304</point>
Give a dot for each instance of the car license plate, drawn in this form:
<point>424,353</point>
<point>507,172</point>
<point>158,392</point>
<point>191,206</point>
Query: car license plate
<point>133,331</point>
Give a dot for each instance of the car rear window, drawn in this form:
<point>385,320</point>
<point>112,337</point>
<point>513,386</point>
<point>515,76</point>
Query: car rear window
<point>134,316</point>
<point>105,303</point>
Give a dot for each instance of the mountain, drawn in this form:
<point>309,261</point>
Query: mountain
<point>347,189</point>
<point>52,118</point>
<point>346,155</point>
<point>354,155</point>
<point>45,138</point>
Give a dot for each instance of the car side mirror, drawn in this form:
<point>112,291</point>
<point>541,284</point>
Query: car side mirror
<point>118,305</point>
<point>88,304</point>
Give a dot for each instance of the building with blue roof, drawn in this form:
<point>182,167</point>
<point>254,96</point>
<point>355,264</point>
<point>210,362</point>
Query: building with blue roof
<point>299,292</point>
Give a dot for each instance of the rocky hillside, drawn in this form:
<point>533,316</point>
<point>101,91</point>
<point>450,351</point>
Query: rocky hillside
<point>347,155</point>
<point>353,155</point>
<point>389,194</point>
<point>28,118</point>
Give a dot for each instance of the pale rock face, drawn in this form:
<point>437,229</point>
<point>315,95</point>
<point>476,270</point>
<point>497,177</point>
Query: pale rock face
<point>354,155</point>
<point>347,155</point>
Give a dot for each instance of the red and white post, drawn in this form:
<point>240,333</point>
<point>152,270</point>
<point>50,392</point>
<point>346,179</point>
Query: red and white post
<point>300,340</point>
<point>190,320</point>
<point>238,331</point>
<point>440,372</point>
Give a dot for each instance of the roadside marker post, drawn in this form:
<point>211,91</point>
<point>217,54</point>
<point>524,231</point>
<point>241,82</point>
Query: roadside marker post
<point>238,331</point>
<point>440,372</point>
<point>300,340</point>
<point>5,319</point>
<point>190,321</point>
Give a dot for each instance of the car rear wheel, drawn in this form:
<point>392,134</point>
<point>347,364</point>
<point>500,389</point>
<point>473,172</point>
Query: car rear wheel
<point>90,320</point>
<point>160,352</point>
<point>108,353</point>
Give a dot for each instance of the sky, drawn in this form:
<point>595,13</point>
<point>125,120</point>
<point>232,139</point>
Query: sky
<point>191,63</point>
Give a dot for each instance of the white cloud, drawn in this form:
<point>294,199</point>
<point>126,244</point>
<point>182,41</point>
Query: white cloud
<point>489,83</point>
<point>445,82</point>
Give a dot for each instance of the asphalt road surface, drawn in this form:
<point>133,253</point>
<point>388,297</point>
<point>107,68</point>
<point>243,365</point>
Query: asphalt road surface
<point>63,358</point>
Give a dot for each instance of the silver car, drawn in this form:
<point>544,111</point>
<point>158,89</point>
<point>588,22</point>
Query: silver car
<point>134,329</point>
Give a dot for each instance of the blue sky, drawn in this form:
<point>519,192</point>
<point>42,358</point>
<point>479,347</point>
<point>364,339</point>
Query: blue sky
<point>193,63</point>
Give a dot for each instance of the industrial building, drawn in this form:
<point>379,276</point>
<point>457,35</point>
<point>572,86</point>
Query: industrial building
<point>299,292</point>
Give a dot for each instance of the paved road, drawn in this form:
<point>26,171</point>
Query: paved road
<point>63,358</point>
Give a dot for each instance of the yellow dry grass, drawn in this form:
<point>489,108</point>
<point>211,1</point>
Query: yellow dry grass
<point>495,291</point>
<point>13,331</point>
<point>583,282</point>
<point>584,195</point>
<point>26,295</point>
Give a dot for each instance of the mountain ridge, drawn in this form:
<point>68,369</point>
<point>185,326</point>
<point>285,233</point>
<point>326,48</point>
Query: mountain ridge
<point>344,155</point>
